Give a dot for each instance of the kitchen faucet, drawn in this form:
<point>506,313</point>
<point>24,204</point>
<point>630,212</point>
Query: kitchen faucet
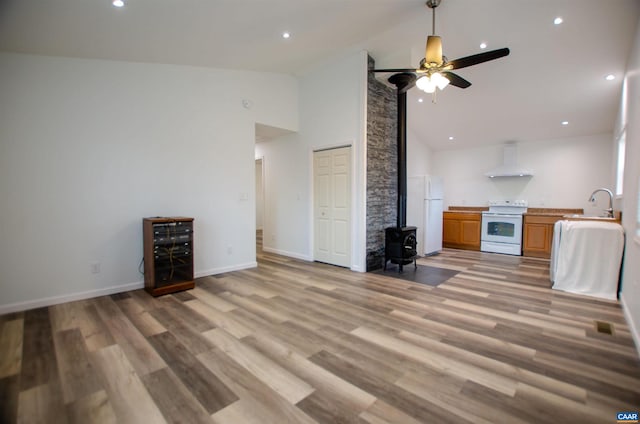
<point>593,199</point>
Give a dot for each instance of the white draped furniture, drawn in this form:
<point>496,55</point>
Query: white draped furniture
<point>586,257</point>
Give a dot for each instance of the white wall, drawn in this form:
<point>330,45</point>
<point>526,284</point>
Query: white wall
<point>418,156</point>
<point>629,115</point>
<point>566,171</point>
<point>332,113</point>
<point>88,148</point>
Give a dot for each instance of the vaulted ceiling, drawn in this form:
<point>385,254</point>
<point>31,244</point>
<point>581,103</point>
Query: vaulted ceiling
<point>554,73</point>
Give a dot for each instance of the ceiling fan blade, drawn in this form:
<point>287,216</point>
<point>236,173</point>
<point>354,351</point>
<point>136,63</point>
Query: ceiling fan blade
<point>394,70</point>
<point>463,62</point>
<point>456,80</point>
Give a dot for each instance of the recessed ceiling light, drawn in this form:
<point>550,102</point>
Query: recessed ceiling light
<point>558,20</point>
<point>420,100</point>
<point>483,45</point>
<point>451,138</point>
<point>117,3</point>
<point>565,123</point>
<point>286,35</point>
<point>610,77</point>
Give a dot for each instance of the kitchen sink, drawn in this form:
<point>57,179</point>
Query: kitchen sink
<point>589,217</point>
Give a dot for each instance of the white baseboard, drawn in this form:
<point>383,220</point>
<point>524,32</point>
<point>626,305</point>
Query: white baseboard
<point>222,270</point>
<point>71,297</point>
<point>633,329</point>
<point>289,254</point>
<point>55,300</point>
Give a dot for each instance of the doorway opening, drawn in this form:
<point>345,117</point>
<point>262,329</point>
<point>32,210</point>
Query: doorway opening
<point>259,175</point>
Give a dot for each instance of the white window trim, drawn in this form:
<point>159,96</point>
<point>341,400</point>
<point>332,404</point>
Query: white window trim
<point>620,162</point>
<point>636,236</point>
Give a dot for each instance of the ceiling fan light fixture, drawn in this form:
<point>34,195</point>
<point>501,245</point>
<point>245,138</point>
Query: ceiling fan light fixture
<point>439,80</point>
<point>429,83</point>
<point>433,54</point>
<point>426,84</point>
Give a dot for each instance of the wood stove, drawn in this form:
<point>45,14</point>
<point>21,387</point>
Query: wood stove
<point>400,243</point>
<point>400,246</point>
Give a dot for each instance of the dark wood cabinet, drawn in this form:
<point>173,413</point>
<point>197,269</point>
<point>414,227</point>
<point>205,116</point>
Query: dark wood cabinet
<point>461,230</point>
<point>168,254</point>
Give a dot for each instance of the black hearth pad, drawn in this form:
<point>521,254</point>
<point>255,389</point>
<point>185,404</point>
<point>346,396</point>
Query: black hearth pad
<point>428,275</point>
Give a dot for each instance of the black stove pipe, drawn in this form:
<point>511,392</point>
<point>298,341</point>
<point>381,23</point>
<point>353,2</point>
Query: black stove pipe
<point>403,82</point>
<point>402,159</point>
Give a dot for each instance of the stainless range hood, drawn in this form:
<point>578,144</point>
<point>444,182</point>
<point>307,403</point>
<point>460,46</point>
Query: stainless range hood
<point>509,167</point>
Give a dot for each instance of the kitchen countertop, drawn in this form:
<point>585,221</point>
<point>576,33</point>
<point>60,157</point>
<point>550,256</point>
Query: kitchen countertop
<point>467,209</point>
<point>566,214</point>
<point>552,211</point>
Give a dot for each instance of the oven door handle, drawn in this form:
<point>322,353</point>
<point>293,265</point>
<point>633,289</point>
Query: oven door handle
<point>505,215</point>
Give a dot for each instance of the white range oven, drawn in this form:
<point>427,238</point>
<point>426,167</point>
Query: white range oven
<point>502,227</point>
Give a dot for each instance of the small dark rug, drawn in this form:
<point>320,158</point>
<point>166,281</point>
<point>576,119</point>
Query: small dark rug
<point>429,275</point>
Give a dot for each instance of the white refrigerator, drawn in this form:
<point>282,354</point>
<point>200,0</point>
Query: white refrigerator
<point>424,211</point>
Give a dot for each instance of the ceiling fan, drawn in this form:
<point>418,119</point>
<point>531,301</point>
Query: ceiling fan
<point>435,69</point>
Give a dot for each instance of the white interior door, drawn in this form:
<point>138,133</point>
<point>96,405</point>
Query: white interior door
<point>332,206</point>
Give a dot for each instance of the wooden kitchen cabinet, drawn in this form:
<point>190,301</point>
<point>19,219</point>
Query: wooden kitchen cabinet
<point>537,235</point>
<point>461,230</point>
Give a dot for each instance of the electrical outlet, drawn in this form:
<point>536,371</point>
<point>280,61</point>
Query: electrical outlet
<point>95,267</point>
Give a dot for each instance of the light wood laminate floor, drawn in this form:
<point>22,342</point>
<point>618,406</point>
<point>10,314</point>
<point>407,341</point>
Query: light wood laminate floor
<point>299,342</point>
